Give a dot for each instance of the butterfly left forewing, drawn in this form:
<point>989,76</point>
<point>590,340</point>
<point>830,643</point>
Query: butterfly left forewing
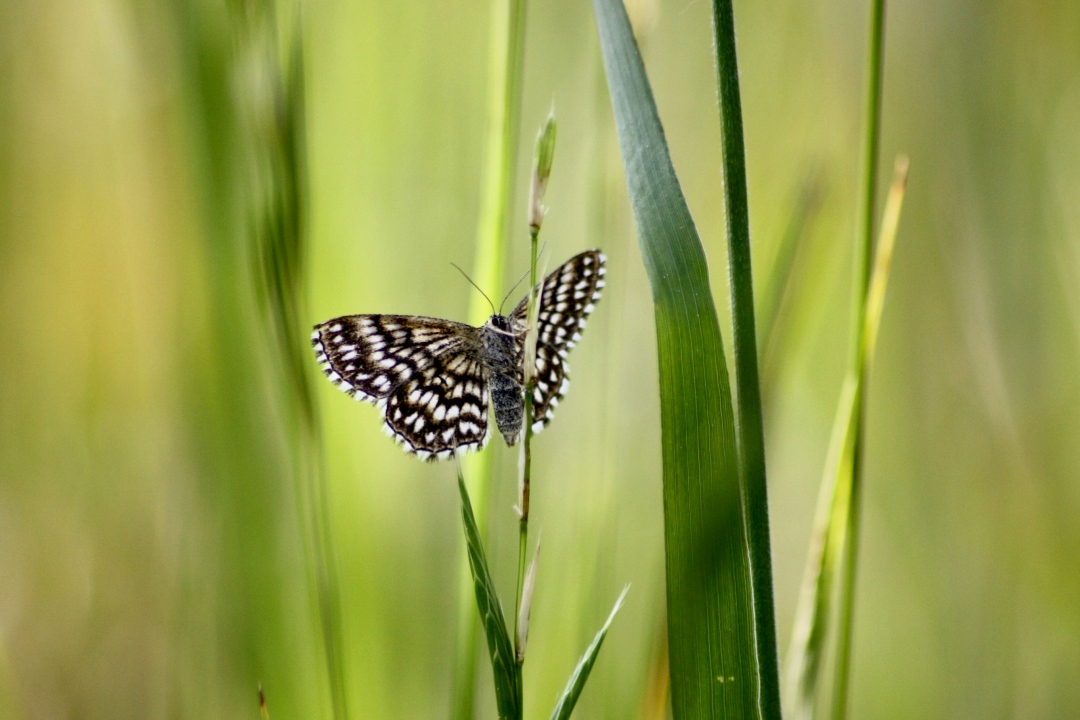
<point>367,356</point>
<point>422,373</point>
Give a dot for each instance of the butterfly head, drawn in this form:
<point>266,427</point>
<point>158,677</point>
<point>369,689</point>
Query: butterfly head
<point>501,323</point>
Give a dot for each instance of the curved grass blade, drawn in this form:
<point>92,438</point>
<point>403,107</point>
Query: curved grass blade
<point>507,672</point>
<point>781,285</point>
<point>576,683</point>
<point>710,619</point>
<point>831,529</point>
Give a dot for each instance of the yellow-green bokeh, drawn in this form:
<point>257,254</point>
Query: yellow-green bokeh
<point>152,560</point>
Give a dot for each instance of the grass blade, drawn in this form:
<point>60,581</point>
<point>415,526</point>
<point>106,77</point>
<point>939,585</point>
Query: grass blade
<point>783,278</point>
<point>710,620</point>
<point>506,63</point>
<point>507,672</point>
<point>831,529</point>
<point>577,680</point>
<point>277,133</point>
<point>751,429</point>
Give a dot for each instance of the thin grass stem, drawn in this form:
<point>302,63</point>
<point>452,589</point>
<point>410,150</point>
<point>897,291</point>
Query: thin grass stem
<point>545,153</point>
<point>750,426</point>
<point>526,445</point>
<point>864,241</point>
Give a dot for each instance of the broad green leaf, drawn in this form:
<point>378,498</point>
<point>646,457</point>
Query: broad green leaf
<point>507,672</point>
<point>710,619</point>
<point>576,683</point>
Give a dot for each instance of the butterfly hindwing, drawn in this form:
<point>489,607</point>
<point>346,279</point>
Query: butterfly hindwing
<point>568,297</point>
<point>442,413</point>
<point>423,373</point>
<point>552,382</point>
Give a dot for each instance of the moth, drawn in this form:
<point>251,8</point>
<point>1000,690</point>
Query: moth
<point>434,379</point>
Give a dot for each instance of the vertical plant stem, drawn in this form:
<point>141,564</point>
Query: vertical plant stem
<point>863,252</point>
<point>545,153</point>
<point>526,445</point>
<point>523,524</point>
<point>504,101</point>
<point>750,429</point>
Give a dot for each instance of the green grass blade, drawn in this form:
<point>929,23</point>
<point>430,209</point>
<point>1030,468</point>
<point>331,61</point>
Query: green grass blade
<point>814,609</point>
<point>577,680</point>
<point>751,428</point>
<point>507,672</point>
<point>279,235</point>
<point>710,619</point>
<point>783,276</point>
<point>506,64</point>
<point>831,528</point>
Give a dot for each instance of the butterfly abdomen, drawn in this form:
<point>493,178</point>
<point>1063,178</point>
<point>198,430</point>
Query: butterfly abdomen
<point>508,398</point>
<point>501,357</point>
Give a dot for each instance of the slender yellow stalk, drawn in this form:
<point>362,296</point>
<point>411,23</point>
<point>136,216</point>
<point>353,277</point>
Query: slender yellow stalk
<point>831,530</point>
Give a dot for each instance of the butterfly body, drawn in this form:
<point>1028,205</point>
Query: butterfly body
<point>433,379</point>
<point>503,348</point>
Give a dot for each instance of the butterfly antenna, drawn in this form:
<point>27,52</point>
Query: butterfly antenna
<point>475,286</point>
<point>511,292</point>
<point>507,297</point>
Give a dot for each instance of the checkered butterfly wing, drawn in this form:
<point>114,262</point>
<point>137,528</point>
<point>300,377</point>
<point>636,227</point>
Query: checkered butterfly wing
<point>568,297</point>
<point>424,374</point>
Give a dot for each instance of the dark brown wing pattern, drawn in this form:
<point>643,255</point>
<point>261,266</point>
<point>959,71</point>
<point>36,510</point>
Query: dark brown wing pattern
<point>569,296</point>
<point>424,374</point>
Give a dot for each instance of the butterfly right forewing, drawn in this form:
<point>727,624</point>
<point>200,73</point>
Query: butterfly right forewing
<point>568,297</point>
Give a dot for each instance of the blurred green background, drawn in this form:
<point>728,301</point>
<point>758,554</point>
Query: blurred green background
<point>152,562</point>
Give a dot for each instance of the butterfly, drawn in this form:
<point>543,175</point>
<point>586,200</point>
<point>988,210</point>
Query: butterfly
<point>433,379</point>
